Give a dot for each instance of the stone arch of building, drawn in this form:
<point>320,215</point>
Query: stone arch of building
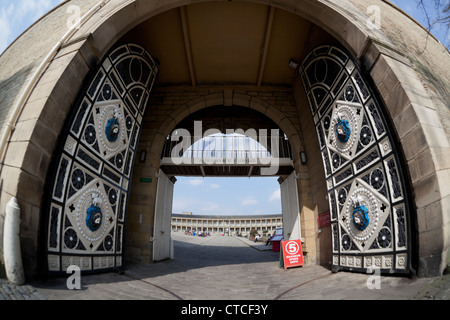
<point>153,141</point>
<point>228,98</point>
<point>391,73</point>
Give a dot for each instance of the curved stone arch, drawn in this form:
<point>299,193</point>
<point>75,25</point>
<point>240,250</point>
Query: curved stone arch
<point>392,74</point>
<point>240,100</point>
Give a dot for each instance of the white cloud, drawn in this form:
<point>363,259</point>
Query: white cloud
<point>195,205</point>
<point>33,9</point>
<point>17,16</point>
<point>276,196</point>
<point>181,204</point>
<point>249,201</point>
<point>211,207</point>
<point>215,186</point>
<point>195,182</point>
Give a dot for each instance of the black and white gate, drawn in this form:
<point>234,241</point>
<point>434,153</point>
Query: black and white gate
<point>87,204</point>
<point>367,198</point>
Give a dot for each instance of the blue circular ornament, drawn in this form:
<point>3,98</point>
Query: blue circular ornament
<point>94,218</point>
<point>112,130</point>
<point>343,131</point>
<point>361,218</point>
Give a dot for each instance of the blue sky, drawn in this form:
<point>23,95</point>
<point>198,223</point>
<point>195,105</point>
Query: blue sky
<point>213,196</point>
<point>17,15</point>
<point>440,31</point>
<point>227,196</point>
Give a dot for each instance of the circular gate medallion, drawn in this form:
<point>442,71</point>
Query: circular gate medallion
<point>93,215</point>
<point>361,217</point>
<point>111,128</point>
<point>345,124</point>
<point>94,218</point>
<point>362,214</point>
<point>343,131</point>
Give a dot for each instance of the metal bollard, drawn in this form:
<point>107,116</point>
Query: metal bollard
<point>172,250</point>
<point>11,244</point>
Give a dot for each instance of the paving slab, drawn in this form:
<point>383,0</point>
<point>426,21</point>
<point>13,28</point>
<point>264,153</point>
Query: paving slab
<point>230,268</point>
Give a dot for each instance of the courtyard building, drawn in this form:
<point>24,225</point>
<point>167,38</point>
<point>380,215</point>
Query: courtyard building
<point>227,225</point>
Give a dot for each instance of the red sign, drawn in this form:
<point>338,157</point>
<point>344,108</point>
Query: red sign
<point>324,220</point>
<point>292,254</point>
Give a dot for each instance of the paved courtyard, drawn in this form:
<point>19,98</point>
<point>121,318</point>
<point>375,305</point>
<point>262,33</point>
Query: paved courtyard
<point>228,268</point>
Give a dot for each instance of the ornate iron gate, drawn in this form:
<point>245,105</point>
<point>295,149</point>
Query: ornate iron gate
<point>367,198</point>
<point>87,204</point>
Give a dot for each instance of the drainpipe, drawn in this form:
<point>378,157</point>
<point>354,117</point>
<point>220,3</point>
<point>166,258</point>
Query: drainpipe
<point>11,244</point>
<point>10,124</point>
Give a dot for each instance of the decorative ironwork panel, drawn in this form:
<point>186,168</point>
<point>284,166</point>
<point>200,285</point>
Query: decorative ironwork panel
<point>88,198</point>
<point>367,198</point>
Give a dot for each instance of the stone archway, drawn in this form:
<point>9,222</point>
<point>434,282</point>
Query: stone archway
<point>155,136</point>
<point>395,76</point>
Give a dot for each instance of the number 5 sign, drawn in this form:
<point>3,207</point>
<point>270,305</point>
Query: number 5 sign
<point>292,254</point>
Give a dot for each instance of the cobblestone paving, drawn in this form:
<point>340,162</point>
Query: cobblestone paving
<point>12,292</point>
<point>227,268</point>
<point>438,289</point>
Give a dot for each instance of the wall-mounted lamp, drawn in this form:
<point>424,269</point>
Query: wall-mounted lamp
<point>303,157</point>
<point>293,64</point>
<point>143,156</point>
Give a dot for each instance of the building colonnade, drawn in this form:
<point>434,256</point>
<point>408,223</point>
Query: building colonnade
<point>226,225</point>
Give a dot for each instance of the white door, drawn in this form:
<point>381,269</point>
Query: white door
<point>290,209</point>
<point>163,216</point>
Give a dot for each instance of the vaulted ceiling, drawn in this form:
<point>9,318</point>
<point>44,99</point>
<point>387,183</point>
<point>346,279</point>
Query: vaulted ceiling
<point>224,42</point>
